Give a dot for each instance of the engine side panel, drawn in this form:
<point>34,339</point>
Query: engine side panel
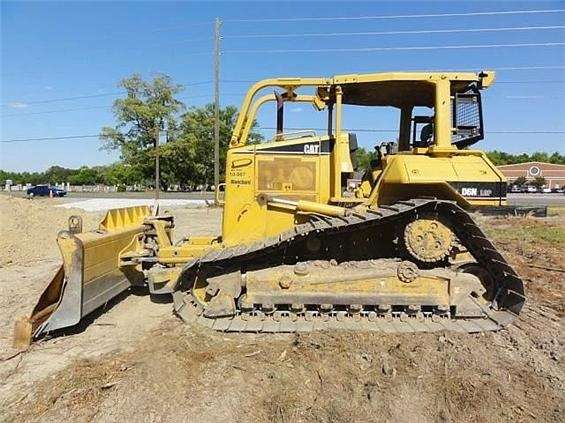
<point>295,170</point>
<point>467,177</point>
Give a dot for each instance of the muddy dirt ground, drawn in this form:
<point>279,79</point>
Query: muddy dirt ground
<point>134,361</point>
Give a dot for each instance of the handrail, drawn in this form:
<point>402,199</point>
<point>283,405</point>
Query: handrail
<point>255,108</point>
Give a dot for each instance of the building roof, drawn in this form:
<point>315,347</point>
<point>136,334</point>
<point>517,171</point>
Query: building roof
<point>543,165</point>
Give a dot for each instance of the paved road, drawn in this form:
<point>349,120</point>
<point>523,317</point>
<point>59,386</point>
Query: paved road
<point>536,199</point>
<point>77,196</point>
<point>73,197</point>
<point>101,204</point>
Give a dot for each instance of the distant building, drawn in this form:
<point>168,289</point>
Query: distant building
<point>554,174</point>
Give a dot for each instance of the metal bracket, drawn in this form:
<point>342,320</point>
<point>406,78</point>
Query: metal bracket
<point>75,224</point>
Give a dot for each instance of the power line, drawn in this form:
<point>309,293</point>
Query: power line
<point>189,97</point>
<point>148,30</point>
<point>57,111</point>
<point>428,15</point>
<point>518,68</point>
<point>396,130</point>
<point>369,130</point>
<point>186,97</point>
<point>408,48</point>
<point>68,137</point>
<point>561,81</point>
<point>172,28</point>
<point>532,82</point>
<point>361,130</point>
<point>251,81</point>
<point>80,97</point>
<point>239,81</point>
<point>430,31</point>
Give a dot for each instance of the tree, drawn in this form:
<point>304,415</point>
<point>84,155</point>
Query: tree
<point>538,182</point>
<point>149,106</point>
<point>364,158</point>
<point>195,144</point>
<point>85,176</point>
<point>57,174</point>
<point>122,175</point>
<point>557,158</point>
<point>520,181</point>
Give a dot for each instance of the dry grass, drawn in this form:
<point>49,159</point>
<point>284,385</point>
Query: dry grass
<point>527,232</point>
<point>194,375</point>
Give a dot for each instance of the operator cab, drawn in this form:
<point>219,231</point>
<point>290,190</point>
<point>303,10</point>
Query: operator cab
<point>426,122</point>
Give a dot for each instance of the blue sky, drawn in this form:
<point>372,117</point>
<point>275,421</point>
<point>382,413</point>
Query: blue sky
<point>53,50</point>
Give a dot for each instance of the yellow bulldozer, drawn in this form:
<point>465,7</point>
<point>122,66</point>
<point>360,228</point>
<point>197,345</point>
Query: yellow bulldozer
<point>311,242</point>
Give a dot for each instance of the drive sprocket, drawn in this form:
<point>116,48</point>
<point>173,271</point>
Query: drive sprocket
<point>428,240</point>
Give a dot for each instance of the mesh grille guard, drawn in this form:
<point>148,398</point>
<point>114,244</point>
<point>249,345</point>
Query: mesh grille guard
<point>467,117</point>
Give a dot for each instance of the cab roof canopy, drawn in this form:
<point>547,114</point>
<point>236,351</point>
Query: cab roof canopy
<point>389,93</point>
<point>400,89</point>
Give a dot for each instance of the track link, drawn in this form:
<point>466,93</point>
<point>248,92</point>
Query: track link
<point>508,287</point>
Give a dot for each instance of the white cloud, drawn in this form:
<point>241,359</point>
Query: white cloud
<point>17,105</point>
<point>296,109</point>
<point>48,87</point>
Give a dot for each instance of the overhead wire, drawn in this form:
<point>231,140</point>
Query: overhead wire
<point>66,137</point>
<point>361,130</point>
<point>561,81</point>
<point>370,130</point>
<point>190,97</point>
<point>407,48</point>
<point>109,107</point>
<point>79,97</point>
<point>95,95</point>
<point>369,49</point>
<point>44,112</point>
<point>411,16</point>
<point>423,31</point>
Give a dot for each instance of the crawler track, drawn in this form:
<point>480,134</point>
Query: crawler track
<point>507,298</point>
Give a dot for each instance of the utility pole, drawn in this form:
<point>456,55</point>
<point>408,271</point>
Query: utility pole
<point>217,25</point>
<point>157,181</point>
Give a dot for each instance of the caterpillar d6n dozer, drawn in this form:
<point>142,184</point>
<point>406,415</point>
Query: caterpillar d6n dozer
<point>307,245</point>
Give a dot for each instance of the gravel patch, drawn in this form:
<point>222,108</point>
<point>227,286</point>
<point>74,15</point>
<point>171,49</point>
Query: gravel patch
<point>101,204</point>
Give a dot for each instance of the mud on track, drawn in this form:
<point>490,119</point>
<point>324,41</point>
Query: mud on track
<point>136,362</point>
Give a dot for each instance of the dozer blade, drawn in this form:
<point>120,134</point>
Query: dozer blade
<point>91,273</point>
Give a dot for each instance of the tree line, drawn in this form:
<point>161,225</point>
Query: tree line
<point>124,174</point>
<point>501,158</point>
<point>150,110</point>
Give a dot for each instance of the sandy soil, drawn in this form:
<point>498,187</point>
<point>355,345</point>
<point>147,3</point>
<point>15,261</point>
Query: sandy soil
<point>134,361</point>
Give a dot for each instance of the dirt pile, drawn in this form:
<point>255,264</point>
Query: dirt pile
<point>29,228</point>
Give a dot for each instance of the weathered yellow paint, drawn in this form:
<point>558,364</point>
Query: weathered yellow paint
<point>117,219</point>
<point>407,174</point>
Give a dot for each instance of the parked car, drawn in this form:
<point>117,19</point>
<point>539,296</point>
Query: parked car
<point>45,191</point>
<point>546,190</point>
<point>515,188</point>
<point>532,189</point>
